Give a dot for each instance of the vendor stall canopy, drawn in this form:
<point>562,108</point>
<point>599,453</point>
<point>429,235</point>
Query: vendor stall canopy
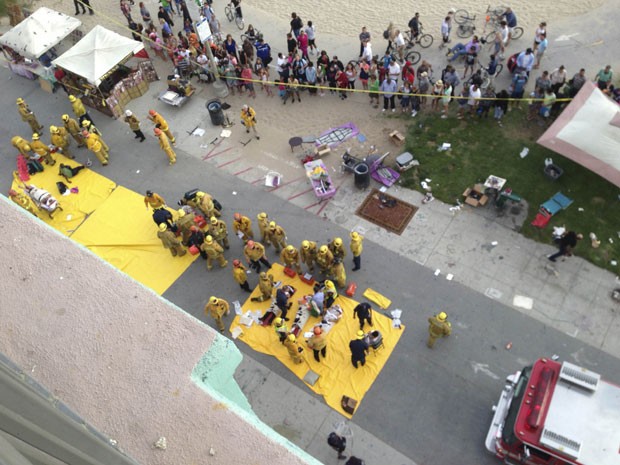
<point>588,132</point>
<point>39,32</point>
<point>97,53</point>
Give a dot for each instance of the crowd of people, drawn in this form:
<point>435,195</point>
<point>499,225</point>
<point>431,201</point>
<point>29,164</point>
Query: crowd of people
<point>390,81</point>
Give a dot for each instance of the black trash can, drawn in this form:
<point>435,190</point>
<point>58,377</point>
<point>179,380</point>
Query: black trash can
<point>362,175</point>
<point>215,112</point>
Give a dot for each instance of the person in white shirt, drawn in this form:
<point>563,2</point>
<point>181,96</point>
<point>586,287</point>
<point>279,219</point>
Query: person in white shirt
<point>399,42</point>
<point>394,70</point>
<point>474,94</point>
<point>311,33</point>
<point>446,27</point>
<point>367,53</point>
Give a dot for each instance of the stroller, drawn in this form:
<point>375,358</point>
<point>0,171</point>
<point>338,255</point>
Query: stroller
<point>43,199</point>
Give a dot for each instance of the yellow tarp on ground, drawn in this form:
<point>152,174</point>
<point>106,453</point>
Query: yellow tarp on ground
<point>93,188</point>
<point>338,377</point>
<point>123,233</point>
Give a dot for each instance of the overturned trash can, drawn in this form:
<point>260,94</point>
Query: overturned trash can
<point>362,175</point>
<point>215,112</point>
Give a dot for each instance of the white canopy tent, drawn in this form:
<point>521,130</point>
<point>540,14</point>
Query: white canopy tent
<point>97,54</point>
<point>39,32</point>
<point>588,132</point>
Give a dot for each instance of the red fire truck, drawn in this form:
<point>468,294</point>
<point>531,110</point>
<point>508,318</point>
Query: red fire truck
<point>555,413</point>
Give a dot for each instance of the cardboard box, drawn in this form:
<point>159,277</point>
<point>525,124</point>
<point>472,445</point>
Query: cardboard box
<point>475,196</point>
<point>397,138</point>
<point>322,150</point>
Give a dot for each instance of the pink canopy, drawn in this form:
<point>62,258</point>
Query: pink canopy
<point>588,133</point>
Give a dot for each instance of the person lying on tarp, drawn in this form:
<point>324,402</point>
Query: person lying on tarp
<point>67,171</point>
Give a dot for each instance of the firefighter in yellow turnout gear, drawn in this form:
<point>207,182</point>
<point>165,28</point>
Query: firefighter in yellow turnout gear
<point>73,128</point>
<point>242,226</point>
<point>265,285</point>
<point>27,115</point>
<point>60,140</point>
<point>94,145</point>
<point>217,308</point>
<point>438,326</point>
<point>290,258</point>
<point>308,254</point>
<point>263,226</point>
<point>164,144</point>
<point>240,276</point>
<point>324,259</point>
<point>277,236</point>
<point>161,123</point>
<point>214,251</point>
<point>170,241</point>
<point>294,350</point>
<point>42,150</point>
<point>219,231</point>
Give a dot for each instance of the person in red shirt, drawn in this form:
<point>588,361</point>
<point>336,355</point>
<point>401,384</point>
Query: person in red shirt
<point>343,83</point>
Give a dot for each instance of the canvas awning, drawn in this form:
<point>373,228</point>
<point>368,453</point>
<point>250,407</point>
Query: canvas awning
<point>588,133</point>
<point>97,53</point>
<point>39,32</point>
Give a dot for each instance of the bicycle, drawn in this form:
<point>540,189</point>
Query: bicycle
<point>412,56</point>
<point>257,36</point>
<point>231,14</point>
<point>494,17</point>
<point>425,40</point>
<point>487,79</point>
<point>466,24</point>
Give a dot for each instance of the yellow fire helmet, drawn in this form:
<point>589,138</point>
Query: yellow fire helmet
<point>19,101</point>
<point>355,236</point>
<point>305,245</point>
<point>72,98</point>
<point>85,123</point>
<point>272,225</point>
<point>329,284</point>
<point>323,249</point>
<point>35,136</point>
<point>261,216</point>
<point>360,334</point>
<point>209,239</point>
<point>338,242</point>
<point>292,338</point>
<point>213,220</point>
<point>442,316</point>
<point>290,249</point>
<point>181,213</point>
<point>65,117</point>
<point>163,226</point>
<point>278,321</point>
<point>213,300</point>
<point>53,129</point>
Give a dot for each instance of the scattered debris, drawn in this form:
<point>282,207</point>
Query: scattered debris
<point>161,443</point>
<point>509,346</point>
<point>522,301</point>
<point>525,151</point>
<point>211,451</point>
<point>595,242</point>
<point>580,209</point>
<point>613,263</point>
<point>437,272</point>
<point>449,276</point>
<point>611,241</point>
<point>246,143</point>
<point>428,198</point>
<point>555,357</point>
<point>444,147</point>
<point>113,442</point>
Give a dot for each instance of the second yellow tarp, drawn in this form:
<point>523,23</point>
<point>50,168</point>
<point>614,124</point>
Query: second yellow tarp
<point>337,376</point>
